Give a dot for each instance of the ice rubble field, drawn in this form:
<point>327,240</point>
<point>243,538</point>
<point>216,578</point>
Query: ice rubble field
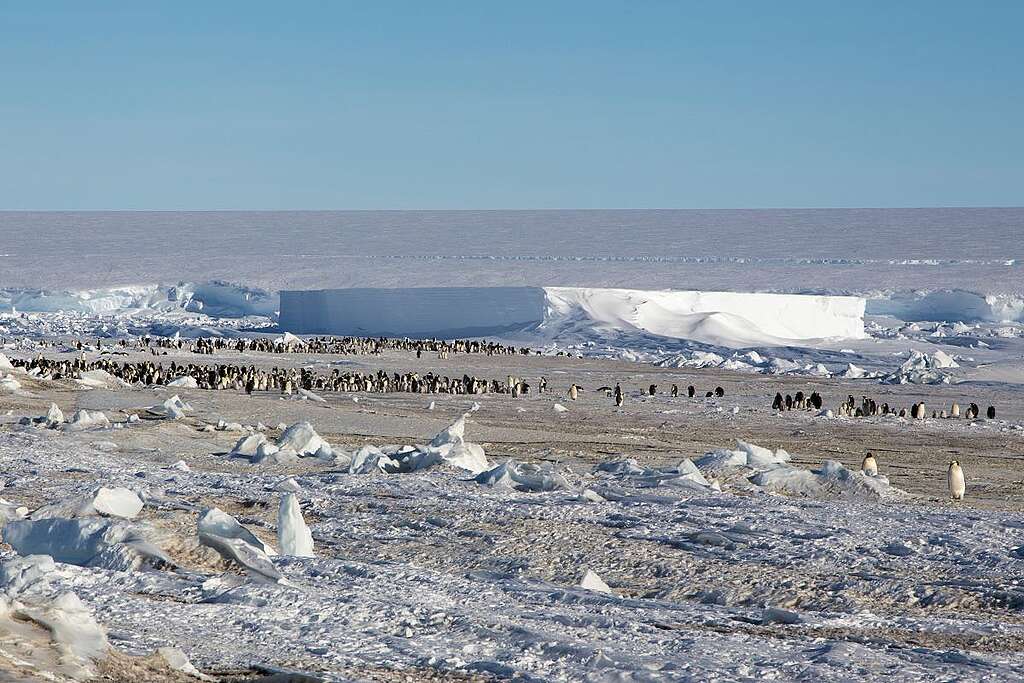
<point>727,565</point>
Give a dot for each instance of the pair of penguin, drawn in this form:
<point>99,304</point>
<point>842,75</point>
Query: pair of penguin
<point>954,475</point>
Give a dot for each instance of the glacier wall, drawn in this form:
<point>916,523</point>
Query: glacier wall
<point>730,319</point>
<point>443,312</point>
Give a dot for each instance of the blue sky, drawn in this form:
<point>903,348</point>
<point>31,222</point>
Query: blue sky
<point>302,105</point>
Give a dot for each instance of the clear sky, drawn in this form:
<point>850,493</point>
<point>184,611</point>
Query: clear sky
<point>479,104</point>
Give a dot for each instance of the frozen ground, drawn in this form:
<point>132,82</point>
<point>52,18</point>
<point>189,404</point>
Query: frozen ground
<point>601,544</point>
<point>782,573</point>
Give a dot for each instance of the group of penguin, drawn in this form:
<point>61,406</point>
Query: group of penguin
<point>869,408</point>
<point>330,345</point>
<point>286,381</point>
<point>652,390</point>
<point>954,475</point>
<point>798,402</point>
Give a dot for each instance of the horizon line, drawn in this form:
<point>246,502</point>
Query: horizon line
<point>524,210</point>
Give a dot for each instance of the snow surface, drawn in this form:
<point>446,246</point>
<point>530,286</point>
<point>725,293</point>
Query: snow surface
<point>430,571</point>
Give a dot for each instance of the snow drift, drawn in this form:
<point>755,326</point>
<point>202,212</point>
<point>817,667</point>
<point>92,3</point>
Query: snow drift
<point>731,319</point>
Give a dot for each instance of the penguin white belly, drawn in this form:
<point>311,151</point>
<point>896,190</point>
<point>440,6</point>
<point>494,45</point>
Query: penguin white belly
<point>957,487</point>
<point>869,467</point>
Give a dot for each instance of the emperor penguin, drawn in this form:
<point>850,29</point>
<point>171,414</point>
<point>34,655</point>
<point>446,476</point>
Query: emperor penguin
<point>955,477</point>
<point>869,466</point>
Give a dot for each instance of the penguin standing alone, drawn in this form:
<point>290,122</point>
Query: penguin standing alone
<point>955,478</point>
<point>869,466</point>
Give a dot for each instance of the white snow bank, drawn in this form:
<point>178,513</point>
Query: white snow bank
<point>173,408</point>
<point>293,536</point>
<point>451,446</point>
<point>831,480</point>
<point>216,522</point>
<point>592,582</point>
<point>235,543</point>
<point>730,319</point>
<point>83,419</point>
<point>299,440</point>
<point>744,455</point>
<point>247,445</point>
<point>9,511</point>
<point>289,339</point>
<point>184,382</point>
<point>53,419</point>
<point>856,372</point>
<point>179,661</point>
<point>522,476</point>
<point>100,379</point>
<point>748,361</point>
<point>116,501</point>
<point>923,368</point>
<point>86,541</point>
<point>9,385</point>
<point>685,475</point>
<point>48,632</point>
<point>254,561</point>
<point>448,447</point>
<point>302,439</point>
<point>770,471</point>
